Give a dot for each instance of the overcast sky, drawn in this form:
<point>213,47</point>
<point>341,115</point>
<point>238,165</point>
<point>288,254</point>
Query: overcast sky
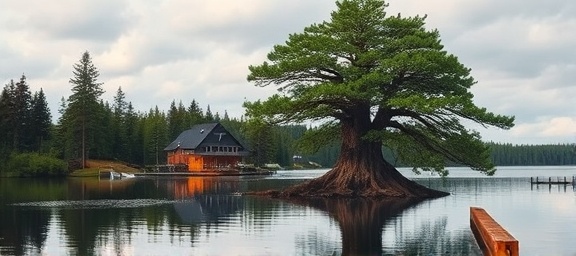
<point>521,52</point>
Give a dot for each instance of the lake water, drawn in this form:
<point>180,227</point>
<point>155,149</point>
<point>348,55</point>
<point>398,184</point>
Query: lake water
<point>207,216</point>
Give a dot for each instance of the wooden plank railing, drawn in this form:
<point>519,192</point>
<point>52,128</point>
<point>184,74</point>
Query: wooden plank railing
<point>492,238</point>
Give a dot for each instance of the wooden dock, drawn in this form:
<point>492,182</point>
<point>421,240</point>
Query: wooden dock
<point>182,170</point>
<point>553,180</point>
<point>492,238</point>
<point>165,168</point>
<point>201,174</point>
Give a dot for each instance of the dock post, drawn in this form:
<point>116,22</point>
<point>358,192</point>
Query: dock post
<point>492,238</point>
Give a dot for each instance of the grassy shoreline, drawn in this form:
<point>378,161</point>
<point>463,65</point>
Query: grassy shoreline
<point>93,168</point>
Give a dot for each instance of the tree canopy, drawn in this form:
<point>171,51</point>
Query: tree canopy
<point>386,78</point>
<point>24,118</point>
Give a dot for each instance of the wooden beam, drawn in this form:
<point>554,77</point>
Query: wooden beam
<point>492,238</point>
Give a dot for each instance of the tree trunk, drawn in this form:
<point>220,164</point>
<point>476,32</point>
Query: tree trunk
<point>361,171</point>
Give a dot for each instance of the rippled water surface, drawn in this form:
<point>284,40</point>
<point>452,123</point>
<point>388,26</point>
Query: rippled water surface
<point>208,216</point>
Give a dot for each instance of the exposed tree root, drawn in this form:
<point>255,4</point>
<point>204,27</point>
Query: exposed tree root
<point>348,182</point>
<point>360,171</point>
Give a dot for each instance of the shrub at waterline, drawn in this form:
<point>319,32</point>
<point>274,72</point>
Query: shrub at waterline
<point>35,165</point>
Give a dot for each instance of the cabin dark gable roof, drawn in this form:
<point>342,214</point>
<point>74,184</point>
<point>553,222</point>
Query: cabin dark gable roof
<point>210,134</point>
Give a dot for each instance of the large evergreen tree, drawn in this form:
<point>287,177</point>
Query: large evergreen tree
<point>83,112</point>
<point>375,79</point>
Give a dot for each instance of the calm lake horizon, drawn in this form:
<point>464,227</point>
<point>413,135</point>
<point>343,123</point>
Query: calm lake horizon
<point>209,216</point>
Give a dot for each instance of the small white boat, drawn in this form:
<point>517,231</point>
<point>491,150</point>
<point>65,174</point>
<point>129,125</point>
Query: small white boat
<point>115,175</point>
<point>127,175</point>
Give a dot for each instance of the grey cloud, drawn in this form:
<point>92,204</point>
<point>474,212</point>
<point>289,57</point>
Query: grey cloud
<point>524,102</point>
<point>98,20</point>
<point>243,35</point>
<point>266,30</point>
<point>518,63</point>
<point>481,13</point>
<point>13,65</point>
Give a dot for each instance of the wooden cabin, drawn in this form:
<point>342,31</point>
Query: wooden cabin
<point>206,147</point>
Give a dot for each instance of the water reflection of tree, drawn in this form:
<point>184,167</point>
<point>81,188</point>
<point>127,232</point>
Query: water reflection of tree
<point>23,232</point>
<point>362,222</point>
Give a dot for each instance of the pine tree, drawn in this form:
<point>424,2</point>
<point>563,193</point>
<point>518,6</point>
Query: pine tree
<point>60,143</point>
<point>133,144</point>
<point>226,117</point>
<point>195,114</point>
<point>5,121</point>
<point>375,80</point>
<point>21,122</point>
<point>120,141</point>
<point>177,119</point>
<point>83,111</point>
<point>209,117</point>
<point>182,118</point>
<point>41,118</point>
<point>155,137</point>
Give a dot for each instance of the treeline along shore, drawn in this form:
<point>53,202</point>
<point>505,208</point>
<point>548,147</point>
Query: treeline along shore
<point>32,144</point>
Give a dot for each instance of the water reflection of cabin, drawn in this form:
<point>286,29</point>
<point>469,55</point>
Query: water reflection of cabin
<point>206,147</point>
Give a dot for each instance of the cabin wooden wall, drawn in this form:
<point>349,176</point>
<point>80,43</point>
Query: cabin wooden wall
<point>198,163</point>
<point>195,163</point>
<point>177,157</point>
